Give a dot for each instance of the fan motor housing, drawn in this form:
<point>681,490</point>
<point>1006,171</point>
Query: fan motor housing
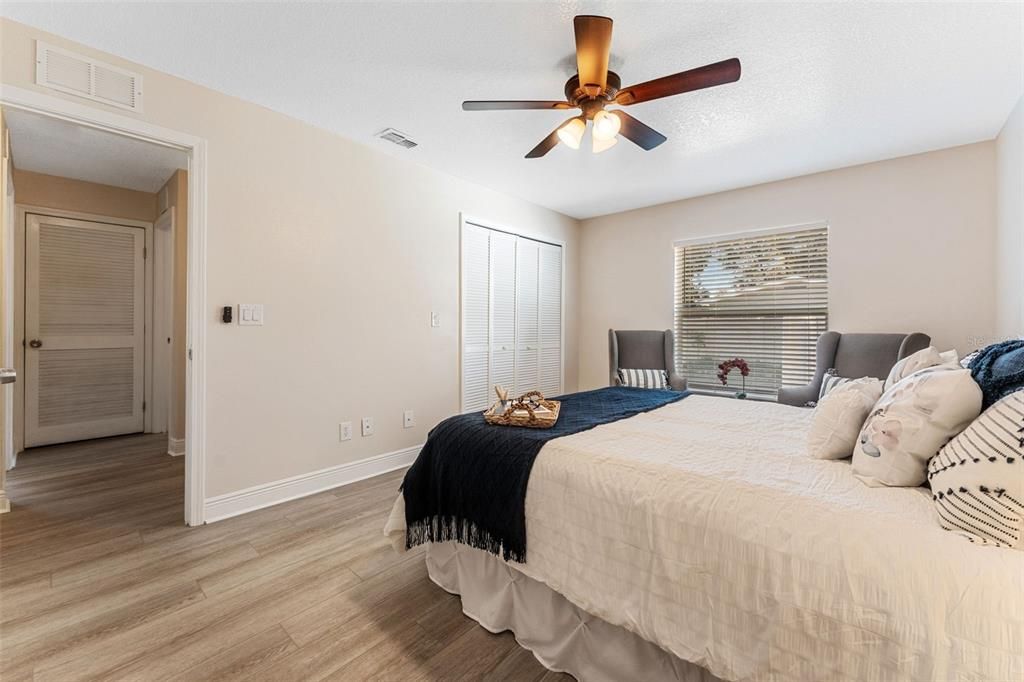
<point>575,93</point>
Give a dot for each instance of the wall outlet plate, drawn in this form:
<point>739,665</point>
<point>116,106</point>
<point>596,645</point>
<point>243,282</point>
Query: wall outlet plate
<point>345,431</point>
<point>408,419</point>
<point>367,426</point>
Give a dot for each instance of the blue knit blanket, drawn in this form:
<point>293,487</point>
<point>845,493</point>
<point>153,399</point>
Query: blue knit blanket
<point>469,482</point>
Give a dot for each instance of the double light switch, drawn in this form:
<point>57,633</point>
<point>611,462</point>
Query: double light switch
<point>250,314</point>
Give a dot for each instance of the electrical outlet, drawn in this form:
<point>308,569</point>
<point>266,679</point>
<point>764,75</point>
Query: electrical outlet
<point>345,431</point>
<point>367,426</point>
<point>408,419</point>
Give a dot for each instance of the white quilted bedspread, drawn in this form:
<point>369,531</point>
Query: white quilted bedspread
<point>704,527</point>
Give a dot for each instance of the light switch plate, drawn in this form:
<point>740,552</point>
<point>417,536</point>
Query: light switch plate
<point>408,419</point>
<point>435,319</point>
<point>367,426</point>
<point>345,431</point>
<point>250,314</point>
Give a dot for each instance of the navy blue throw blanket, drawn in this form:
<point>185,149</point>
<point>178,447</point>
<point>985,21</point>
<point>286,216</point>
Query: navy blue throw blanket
<point>469,482</point>
<point>999,370</point>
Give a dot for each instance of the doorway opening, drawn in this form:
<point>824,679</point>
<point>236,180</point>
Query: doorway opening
<point>97,218</point>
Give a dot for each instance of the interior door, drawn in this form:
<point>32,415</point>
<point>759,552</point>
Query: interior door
<point>84,330</point>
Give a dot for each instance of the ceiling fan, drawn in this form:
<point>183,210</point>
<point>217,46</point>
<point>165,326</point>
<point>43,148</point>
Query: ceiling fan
<point>594,87</point>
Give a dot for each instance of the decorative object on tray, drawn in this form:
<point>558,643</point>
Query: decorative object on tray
<point>502,394</point>
<point>531,409</point>
<point>728,366</point>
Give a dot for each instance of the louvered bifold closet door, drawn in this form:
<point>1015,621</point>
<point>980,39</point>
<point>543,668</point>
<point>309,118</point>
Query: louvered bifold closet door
<point>503,311</point>
<point>763,298</point>
<point>476,318</point>
<point>527,316</point>
<point>84,324</point>
<point>550,297</point>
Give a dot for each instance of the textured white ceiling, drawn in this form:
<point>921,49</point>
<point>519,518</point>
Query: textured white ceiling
<point>48,145</point>
<point>824,85</point>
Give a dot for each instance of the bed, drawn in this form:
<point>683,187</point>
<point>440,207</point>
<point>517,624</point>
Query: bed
<point>697,540</point>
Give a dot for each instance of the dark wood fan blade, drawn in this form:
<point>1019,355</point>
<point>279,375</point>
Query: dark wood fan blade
<point>496,105</point>
<point>708,76</point>
<point>547,144</point>
<point>593,44</point>
<point>639,133</point>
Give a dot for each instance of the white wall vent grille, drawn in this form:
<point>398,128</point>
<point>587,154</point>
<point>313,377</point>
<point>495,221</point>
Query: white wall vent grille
<point>401,139</point>
<point>66,71</point>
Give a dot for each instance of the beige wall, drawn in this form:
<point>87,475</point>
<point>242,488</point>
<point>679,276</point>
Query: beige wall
<point>50,191</point>
<point>174,194</point>
<point>349,250</point>
<point>1010,234</point>
<point>911,244</point>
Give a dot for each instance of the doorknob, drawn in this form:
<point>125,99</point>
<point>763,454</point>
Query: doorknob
<point>35,343</point>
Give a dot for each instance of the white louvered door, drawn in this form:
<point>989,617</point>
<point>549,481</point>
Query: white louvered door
<point>511,315</point>
<point>528,324</point>
<point>550,319</point>
<point>476,316</point>
<point>503,313</point>
<point>84,316</point>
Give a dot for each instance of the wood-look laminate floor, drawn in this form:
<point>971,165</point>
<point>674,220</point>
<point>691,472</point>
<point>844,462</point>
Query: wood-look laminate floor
<point>99,578</point>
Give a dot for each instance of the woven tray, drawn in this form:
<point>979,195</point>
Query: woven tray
<point>521,413</point>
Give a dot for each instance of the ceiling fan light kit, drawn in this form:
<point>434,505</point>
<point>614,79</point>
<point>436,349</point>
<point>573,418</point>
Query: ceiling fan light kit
<point>603,145</point>
<point>571,133</point>
<point>594,87</point>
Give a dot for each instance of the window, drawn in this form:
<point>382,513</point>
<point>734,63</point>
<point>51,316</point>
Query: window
<point>511,315</point>
<point>762,297</point>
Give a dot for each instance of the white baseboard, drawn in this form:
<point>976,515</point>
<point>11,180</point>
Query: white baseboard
<point>266,495</point>
<point>175,446</point>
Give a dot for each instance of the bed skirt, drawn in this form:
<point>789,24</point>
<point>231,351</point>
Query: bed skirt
<point>563,637</point>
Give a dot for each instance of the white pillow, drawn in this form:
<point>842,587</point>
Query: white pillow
<point>911,421</point>
<point>926,357</point>
<point>977,479</point>
<point>839,417</point>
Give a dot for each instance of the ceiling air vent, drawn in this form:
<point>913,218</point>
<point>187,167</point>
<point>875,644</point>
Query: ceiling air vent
<point>392,135</point>
<point>77,74</point>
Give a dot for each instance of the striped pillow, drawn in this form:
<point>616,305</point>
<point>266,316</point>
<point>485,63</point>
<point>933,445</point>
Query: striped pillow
<point>643,378</point>
<point>830,381</point>
<point>977,478</point>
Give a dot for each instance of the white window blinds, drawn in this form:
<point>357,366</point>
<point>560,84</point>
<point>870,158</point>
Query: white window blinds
<point>763,298</point>
<point>511,315</point>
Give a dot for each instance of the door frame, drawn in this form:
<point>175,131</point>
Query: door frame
<point>196,149</point>
<point>161,300</point>
<point>464,219</point>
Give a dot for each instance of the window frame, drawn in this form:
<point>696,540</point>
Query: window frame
<point>723,237</point>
